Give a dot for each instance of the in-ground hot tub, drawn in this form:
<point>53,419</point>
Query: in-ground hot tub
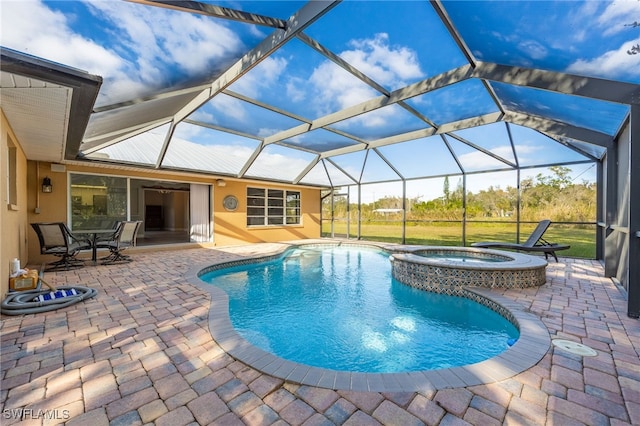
<point>448,269</point>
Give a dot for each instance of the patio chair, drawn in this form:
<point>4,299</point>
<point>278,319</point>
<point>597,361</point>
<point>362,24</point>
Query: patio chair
<point>56,239</point>
<point>123,238</point>
<point>535,243</point>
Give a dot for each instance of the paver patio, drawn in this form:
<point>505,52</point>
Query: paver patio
<point>140,352</point>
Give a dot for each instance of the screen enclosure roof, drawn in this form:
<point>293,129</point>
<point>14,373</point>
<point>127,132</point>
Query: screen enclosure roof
<point>338,93</point>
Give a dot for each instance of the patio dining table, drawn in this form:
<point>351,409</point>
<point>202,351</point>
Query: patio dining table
<point>95,235</point>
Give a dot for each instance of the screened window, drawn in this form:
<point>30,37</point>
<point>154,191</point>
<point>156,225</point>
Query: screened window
<point>272,207</point>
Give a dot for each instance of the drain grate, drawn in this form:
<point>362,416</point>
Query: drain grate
<point>574,347</point>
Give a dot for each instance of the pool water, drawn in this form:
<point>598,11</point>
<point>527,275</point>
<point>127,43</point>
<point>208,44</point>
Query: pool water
<point>339,308</point>
<point>467,258</point>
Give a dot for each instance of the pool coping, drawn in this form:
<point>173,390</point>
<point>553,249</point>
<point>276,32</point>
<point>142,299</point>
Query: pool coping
<point>529,349</point>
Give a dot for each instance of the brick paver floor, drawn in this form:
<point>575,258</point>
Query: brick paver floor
<point>140,352</point>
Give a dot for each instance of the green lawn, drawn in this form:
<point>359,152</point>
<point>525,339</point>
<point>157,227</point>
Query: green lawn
<point>582,239</point>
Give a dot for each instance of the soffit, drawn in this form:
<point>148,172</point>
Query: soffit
<point>38,113</point>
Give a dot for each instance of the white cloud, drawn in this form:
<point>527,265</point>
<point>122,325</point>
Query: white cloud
<point>618,14</point>
<point>144,43</point>
<point>29,26</point>
<point>229,107</point>
<point>476,160</point>
<point>158,39</point>
<point>533,49</point>
<point>275,165</point>
<point>296,89</point>
<point>390,66</point>
<point>188,132</point>
<point>613,64</point>
<point>263,76</point>
<point>263,132</point>
<point>335,88</point>
<point>250,85</point>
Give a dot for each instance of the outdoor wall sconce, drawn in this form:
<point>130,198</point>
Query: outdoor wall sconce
<point>221,182</point>
<point>46,185</point>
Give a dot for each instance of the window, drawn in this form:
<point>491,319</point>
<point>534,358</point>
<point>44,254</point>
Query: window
<point>97,202</point>
<point>272,207</point>
<point>12,175</point>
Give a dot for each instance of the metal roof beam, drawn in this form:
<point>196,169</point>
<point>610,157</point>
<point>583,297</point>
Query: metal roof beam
<point>265,106</point>
<point>341,151</point>
<point>404,137</point>
<point>158,96</point>
<point>480,120</point>
<point>304,17</point>
<point>545,125</point>
<point>222,129</point>
<point>285,134</point>
<point>306,170</point>
<point>418,134</point>
<point>341,170</point>
<point>564,142</point>
<point>419,88</point>
<point>215,11</point>
<point>252,158</point>
<point>342,63</point>
<point>444,17</point>
<point>569,84</point>
<point>481,149</point>
<point>297,23</point>
<point>97,143</point>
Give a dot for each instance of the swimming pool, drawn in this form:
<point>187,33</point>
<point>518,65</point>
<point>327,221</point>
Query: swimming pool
<point>339,308</point>
<point>529,349</point>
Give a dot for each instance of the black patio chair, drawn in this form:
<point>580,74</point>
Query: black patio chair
<point>56,239</point>
<point>535,243</point>
<point>123,238</point>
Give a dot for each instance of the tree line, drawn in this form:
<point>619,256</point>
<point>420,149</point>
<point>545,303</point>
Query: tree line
<point>553,196</point>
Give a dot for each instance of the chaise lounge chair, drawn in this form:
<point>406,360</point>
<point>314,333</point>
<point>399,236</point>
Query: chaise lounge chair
<point>535,243</point>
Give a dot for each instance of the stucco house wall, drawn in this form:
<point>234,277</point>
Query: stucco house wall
<point>32,205</point>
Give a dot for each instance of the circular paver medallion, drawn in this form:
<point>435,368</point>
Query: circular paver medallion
<point>574,347</point>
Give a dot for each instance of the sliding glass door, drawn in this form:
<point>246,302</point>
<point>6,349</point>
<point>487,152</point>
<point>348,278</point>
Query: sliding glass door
<point>170,212</point>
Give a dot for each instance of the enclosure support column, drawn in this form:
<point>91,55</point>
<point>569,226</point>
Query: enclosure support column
<point>348,212</point>
<point>404,211</point>
<point>633,307</point>
<point>601,226</point>
<point>607,195</point>
<point>359,210</point>
<point>464,209</point>
<point>333,210</point>
<point>518,206</point>
<point>601,210</point>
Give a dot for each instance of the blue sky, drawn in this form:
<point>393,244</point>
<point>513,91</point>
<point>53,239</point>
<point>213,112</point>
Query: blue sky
<point>141,50</point>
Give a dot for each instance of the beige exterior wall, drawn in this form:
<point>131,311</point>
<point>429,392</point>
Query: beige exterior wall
<point>13,212</point>
<point>229,228</point>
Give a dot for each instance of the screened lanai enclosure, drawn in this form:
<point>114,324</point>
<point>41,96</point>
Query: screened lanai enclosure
<point>424,122</point>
